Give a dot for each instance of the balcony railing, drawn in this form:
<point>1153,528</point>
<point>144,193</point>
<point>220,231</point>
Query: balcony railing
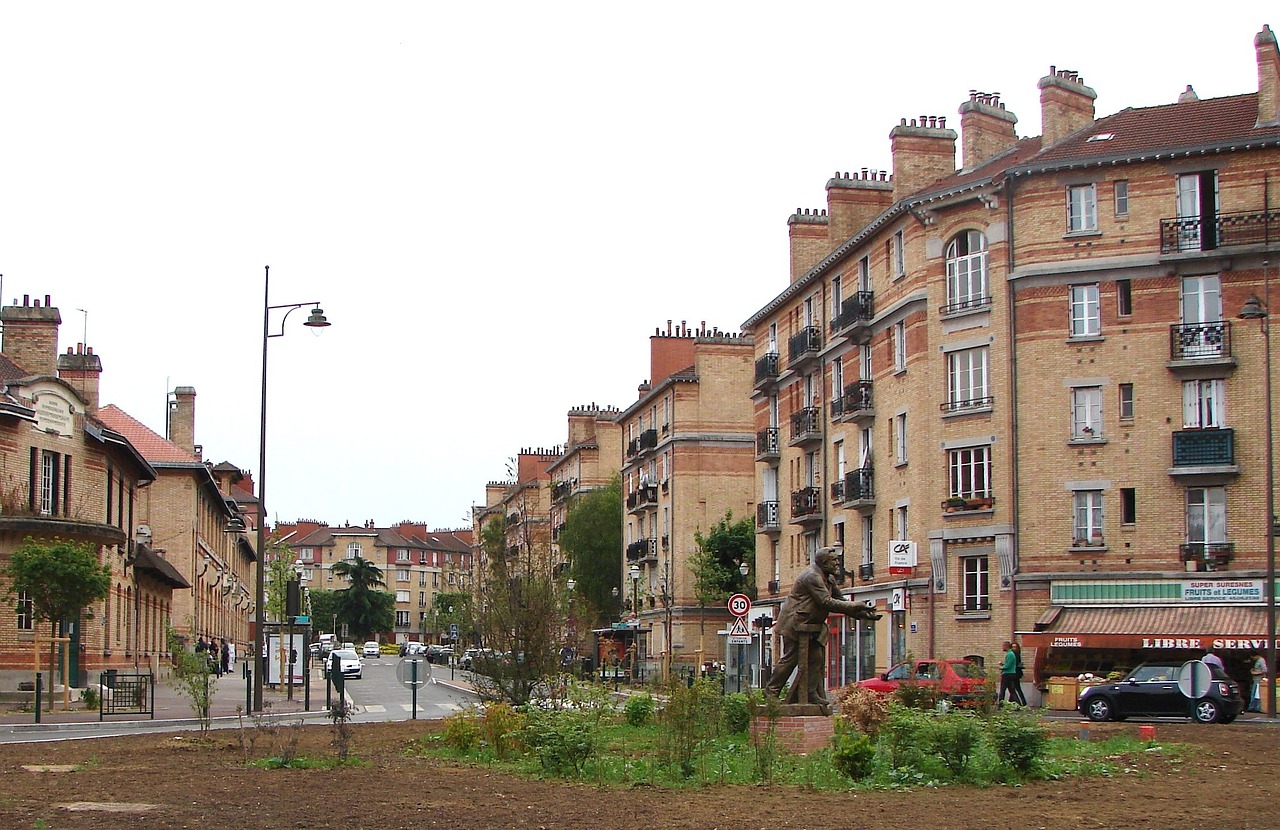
<point>648,439</point>
<point>806,424</point>
<point>806,502</point>
<point>837,490</point>
<point>1209,553</point>
<point>806,344</point>
<point>857,398</point>
<point>967,304</point>
<point>767,368</point>
<point>1204,447</point>
<point>641,549</point>
<point>1200,341</point>
<point>968,405</point>
<point>854,311</point>
<point>768,516</point>
<point>1224,230</point>
<point>858,485</point>
<point>767,442</point>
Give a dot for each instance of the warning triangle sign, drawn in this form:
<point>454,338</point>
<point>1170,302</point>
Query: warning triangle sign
<point>739,628</point>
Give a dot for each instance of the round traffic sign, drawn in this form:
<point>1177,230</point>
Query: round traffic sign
<point>413,671</point>
<point>739,605</point>
<point>1194,679</point>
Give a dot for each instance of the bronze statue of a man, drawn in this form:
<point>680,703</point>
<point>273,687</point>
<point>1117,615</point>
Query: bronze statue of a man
<point>803,619</point>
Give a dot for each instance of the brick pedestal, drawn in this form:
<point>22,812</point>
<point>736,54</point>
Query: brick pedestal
<point>800,733</point>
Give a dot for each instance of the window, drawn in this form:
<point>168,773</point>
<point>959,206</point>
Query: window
<point>900,516</point>
<point>1126,402</point>
<point>1121,188</point>
<point>1082,208</point>
<point>402,555</point>
<point>976,596</point>
<point>1086,412</point>
<point>422,597</point>
<point>306,574</point>
<point>1085,319</point>
<point>1128,506</point>
<point>402,574</point>
<point>353,550</point>
<point>306,555</point>
<point>900,346</point>
<point>1202,404</point>
<point>836,296</point>
<point>1206,514</point>
<point>864,274</point>
<point>402,619</point>
<point>966,271</point>
<point>967,379</point>
<point>1088,517</point>
<point>899,256</point>
<point>868,541</point>
<point>435,579</point>
<point>24,611</point>
<point>402,595</point>
<point>48,483</point>
<point>451,578</point>
<point>900,437</point>
<point>969,471</point>
<point>1124,297</point>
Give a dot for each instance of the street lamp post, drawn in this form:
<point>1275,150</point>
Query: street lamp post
<point>315,320</point>
<point>634,572</point>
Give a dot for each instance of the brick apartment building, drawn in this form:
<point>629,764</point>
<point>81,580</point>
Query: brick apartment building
<point>688,462</point>
<point>1014,392</point>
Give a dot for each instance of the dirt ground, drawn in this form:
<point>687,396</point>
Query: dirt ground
<point>165,781</point>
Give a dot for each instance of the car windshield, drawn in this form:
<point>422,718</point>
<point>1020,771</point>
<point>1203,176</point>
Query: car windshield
<point>347,654</point>
<point>1153,674</point>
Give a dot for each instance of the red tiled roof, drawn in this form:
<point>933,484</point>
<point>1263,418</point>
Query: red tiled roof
<point>155,449</point>
<point>10,370</point>
<point>1169,127</point>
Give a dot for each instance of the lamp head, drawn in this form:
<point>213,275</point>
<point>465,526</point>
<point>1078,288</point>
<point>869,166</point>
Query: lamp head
<point>635,573</point>
<point>1253,309</point>
<point>571,584</point>
<point>317,319</point>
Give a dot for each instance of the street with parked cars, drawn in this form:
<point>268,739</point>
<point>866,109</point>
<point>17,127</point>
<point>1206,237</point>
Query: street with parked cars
<point>1195,689</point>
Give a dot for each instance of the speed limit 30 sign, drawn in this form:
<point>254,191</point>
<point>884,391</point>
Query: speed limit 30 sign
<point>739,605</point>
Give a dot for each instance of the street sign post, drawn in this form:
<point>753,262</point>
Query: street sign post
<point>413,672</point>
<point>739,605</point>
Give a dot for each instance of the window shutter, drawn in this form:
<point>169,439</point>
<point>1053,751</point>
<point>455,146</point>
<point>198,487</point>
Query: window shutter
<point>33,489</point>
<point>1191,404</point>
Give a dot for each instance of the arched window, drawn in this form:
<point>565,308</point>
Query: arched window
<point>967,271</point>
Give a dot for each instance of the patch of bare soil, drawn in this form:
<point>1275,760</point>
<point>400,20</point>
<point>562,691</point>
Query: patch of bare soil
<point>1228,782</point>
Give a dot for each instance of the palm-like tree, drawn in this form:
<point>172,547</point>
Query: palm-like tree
<point>360,605</point>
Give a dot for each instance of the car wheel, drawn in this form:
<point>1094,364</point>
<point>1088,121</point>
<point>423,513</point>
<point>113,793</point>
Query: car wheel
<point>1206,711</point>
<point>1099,709</point>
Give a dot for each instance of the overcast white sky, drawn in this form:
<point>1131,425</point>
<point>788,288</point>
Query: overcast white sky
<point>496,203</point>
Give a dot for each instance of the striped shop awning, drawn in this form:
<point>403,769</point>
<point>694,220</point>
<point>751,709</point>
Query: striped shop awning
<point>1229,627</point>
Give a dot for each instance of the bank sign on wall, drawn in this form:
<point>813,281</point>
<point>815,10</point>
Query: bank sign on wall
<point>1223,590</point>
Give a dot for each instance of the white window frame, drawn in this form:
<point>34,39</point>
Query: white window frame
<point>966,270</point>
<point>402,555</point>
<point>899,255</point>
<point>967,378</point>
<point>868,540</point>
<point>403,618</point>
<point>48,481</point>
<point>24,612</point>
<point>1082,208</point>
<point>1086,314</point>
<point>1120,189</point>
<point>354,549</point>
<point>402,574</point>
<point>1206,515</point>
<point>1203,404</point>
<point>900,346</point>
<point>969,472</point>
<point>402,595</point>
<point>1086,517</point>
<point>1086,412</point>
<point>975,582</point>
<point>900,437</point>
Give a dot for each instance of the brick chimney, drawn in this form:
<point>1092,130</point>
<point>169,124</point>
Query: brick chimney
<point>671,352</point>
<point>31,335</point>
<point>807,231</point>
<point>1066,105</point>
<point>1264,43</point>
<point>924,151</point>
<point>853,201</point>
<point>182,418</point>
<point>83,370</point>
<point>987,129</point>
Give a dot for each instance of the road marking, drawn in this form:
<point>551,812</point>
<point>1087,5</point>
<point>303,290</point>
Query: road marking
<point>408,707</point>
<point>374,707</point>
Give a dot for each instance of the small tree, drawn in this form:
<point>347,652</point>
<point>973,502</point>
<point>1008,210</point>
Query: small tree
<point>592,537</point>
<point>364,609</point>
<point>192,673</point>
<point>715,564</point>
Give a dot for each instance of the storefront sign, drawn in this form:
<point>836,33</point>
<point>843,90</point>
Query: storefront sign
<point>902,556</point>
<point>1223,590</point>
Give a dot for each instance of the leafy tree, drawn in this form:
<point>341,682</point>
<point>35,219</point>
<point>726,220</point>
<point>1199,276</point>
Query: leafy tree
<point>449,608</point>
<point>363,608</point>
<point>280,573</point>
<point>324,605</point>
<point>591,538</point>
<point>193,677</point>
<point>60,577</point>
<point>715,563</point>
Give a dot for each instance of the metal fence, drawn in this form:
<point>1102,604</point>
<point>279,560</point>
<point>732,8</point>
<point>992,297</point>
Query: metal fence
<point>126,694</point>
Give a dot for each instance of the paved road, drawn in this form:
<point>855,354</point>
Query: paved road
<point>379,695</point>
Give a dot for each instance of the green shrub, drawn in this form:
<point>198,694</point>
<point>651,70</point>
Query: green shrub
<point>1019,739</point>
<point>461,731</point>
<point>735,713</point>
<point>89,694</point>
<point>852,753</point>
<point>955,737</point>
<point>563,739</point>
<point>639,710</point>
<point>689,718</point>
<point>917,695</point>
<point>905,736</point>
<point>500,729</point>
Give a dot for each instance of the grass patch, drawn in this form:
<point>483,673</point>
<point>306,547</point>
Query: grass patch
<point>303,762</point>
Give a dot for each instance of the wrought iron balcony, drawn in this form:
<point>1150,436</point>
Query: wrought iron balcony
<point>1224,230</point>
<point>805,345</point>
<point>856,400</point>
<point>767,443</point>
<point>967,304</point>
<point>1212,555</point>
<point>858,486</point>
<point>641,549</point>
<point>806,503</point>
<point>561,490</point>
<point>648,439</point>
<point>768,516</point>
<point>767,368</point>
<point>968,405</point>
<point>633,447</point>
<point>855,314</point>
<point>867,571</point>
<point>644,495</point>
<point>1204,447</point>
<point>806,425</point>
<point>837,490</point>
<point>1200,341</point>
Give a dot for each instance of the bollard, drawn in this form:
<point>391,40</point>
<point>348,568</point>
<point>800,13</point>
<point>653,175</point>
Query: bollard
<point>1147,733</point>
<point>1084,730</point>
<point>39,683</point>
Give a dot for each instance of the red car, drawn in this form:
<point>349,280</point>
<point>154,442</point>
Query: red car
<point>955,678</point>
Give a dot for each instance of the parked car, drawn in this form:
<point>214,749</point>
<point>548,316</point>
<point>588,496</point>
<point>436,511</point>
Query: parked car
<point>468,660</point>
<point>438,653</point>
<point>414,649</point>
<point>372,649</point>
<point>350,663</point>
<point>957,679</point>
<point>1151,690</point>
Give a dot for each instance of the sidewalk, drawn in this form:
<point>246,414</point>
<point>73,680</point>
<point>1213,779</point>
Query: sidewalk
<point>229,695</point>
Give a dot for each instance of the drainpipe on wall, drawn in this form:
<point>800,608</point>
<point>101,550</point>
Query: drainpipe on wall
<point>1013,408</point>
